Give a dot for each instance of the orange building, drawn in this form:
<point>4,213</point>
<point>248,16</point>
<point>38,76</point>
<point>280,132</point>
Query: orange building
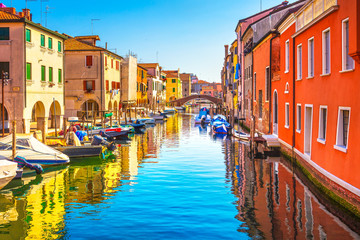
<point>141,85</point>
<point>315,92</point>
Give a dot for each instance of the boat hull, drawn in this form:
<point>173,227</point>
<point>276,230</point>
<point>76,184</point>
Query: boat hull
<point>7,172</point>
<point>81,151</point>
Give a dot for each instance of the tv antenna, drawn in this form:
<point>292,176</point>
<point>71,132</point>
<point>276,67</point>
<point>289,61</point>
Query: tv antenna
<point>113,49</point>
<point>41,9</point>
<point>46,13</point>
<point>92,25</point>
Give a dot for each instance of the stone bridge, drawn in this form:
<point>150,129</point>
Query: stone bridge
<point>181,101</point>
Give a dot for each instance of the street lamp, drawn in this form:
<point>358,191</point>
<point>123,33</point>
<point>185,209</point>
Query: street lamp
<point>5,81</point>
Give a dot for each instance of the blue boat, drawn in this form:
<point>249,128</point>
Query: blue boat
<point>204,113</point>
<point>219,125</point>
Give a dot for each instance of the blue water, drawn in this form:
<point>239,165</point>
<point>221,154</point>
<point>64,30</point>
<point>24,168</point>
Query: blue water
<point>176,181</point>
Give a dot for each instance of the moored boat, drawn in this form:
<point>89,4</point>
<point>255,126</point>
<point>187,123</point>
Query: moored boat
<point>219,125</point>
<point>8,171</point>
<point>34,151</point>
<point>203,116</point>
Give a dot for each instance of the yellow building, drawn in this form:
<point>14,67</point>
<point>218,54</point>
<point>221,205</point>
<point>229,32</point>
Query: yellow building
<point>33,57</point>
<point>173,85</point>
<point>141,86</point>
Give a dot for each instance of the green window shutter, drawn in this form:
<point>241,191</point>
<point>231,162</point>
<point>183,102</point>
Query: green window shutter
<point>50,43</point>
<point>28,71</point>
<point>43,77</point>
<point>59,46</point>
<point>28,35</point>
<point>42,39</point>
<point>50,74</point>
<point>173,89</point>
<point>174,80</point>
<point>60,76</point>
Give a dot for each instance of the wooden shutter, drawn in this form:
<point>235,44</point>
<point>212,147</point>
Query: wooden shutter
<point>93,85</point>
<point>107,85</point>
<point>113,85</point>
<point>89,61</point>
<point>118,85</point>
<point>106,61</point>
<point>84,84</point>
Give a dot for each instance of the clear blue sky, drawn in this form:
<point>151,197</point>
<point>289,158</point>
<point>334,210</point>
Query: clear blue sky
<point>187,34</point>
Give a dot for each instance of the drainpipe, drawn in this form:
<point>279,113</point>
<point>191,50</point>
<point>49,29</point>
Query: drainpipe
<point>293,123</point>
<point>101,81</point>
<point>270,74</point>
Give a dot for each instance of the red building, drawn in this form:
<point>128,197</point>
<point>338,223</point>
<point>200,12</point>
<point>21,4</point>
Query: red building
<point>315,92</point>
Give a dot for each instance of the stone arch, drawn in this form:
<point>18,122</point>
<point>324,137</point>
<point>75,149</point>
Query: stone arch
<point>37,116</point>
<point>90,107</point>
<point>54,114</point>
<point>6,117</point>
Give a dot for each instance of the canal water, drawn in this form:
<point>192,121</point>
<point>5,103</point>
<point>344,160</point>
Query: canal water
<point>176,181</point>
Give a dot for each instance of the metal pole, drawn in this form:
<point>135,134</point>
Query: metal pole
<point>3,104</point>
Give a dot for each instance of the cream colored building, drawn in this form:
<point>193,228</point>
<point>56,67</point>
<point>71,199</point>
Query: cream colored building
<point>93,77</point>
<point>33,56</point>
<point>129,79</point>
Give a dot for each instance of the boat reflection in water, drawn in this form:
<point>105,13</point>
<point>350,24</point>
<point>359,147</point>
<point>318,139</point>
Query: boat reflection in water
<point>274,203</point>
<point>137,197</point>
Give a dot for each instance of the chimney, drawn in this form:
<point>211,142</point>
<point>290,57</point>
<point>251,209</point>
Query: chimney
<point>226,50</point>
<point>9,10</point>
<point>88,39</point>
<point>106,45</point>
<point>26,14</point>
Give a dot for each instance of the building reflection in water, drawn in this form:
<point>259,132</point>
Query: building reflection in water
<point>274,203</point>
<point>35,207</point>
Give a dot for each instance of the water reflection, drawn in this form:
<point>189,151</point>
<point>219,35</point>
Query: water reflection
<point>274,203</point>
<point>270,201</point>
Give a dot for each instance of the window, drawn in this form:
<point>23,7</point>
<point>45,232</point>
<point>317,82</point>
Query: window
<point>267,84</point>
<point>89,86</point>
<point>28,35</point>
<point>107,87</point>
<point>298,119</point>
<point>260,104</point>
<point>59,46</point>
<point>287,115</point>
<point>105,61</point>
<point>347,61</point>
<point>89,61</point>
<point>342,129</point>
<point>326,52</point>
<point>42,40</point>
<point>59,76</point>
<point>311,57</point>
<point>113,85</point>
<point>50,46</point>
<point>287,56</point>
<point>174,81</point>
<point>254,86</point>
<point>173,89</point>
<point>112,63</point>
<point>4,33</point>
<point>322,124</point>
<point>117,65</point>
<point>43,72</point>
<point>50,74</point>
<point>299,62</point>
<point>5,66</point>
<point>28,71</point>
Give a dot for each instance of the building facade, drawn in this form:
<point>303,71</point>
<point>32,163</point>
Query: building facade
<point>141,86</point>
<point>173,85</point>
<point>33,56</point>
<point>186,84</point>
<point>92,77</point>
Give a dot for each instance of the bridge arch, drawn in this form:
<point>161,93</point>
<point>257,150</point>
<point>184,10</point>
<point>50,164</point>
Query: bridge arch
<point>184,100</point>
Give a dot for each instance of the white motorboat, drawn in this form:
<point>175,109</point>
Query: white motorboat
<point>7,171</point>
<point>34,151</point>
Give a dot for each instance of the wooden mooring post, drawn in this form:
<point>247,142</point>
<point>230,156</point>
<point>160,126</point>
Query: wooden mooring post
<point>14,140</point>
